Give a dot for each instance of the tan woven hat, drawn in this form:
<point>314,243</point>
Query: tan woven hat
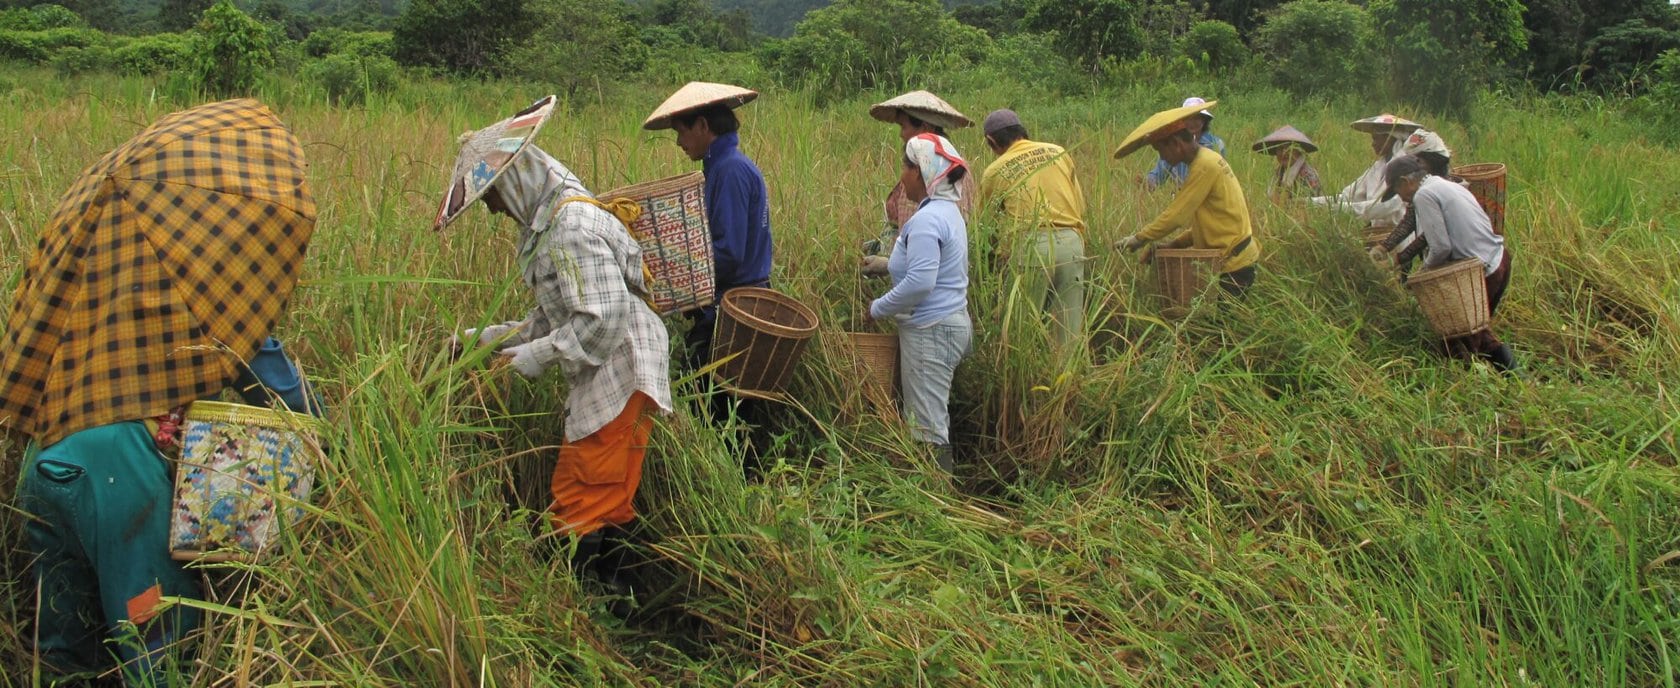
<point>1386,124</point>
<point>485,155</point>
<point>1158,125</point>
<point>925,106</point>
<point>1284,136</point>
<point>695,95</point>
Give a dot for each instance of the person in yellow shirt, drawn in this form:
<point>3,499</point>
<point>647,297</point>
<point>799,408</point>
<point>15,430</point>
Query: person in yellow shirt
<point>1210,203</point>
<point>1033,185</point>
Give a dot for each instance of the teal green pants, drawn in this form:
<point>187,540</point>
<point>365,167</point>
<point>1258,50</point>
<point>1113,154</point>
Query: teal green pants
<point>1051,268</point>
<point>100,503</point>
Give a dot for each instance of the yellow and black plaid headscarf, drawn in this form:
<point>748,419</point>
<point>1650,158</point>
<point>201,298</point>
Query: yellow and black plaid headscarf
<point>164,265</point>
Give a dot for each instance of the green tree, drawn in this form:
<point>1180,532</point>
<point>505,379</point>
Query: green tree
<point>860,44</point>
<point>1318,47</point>
<point>232,51</point>
<point>1595,42</point>
<point>460,36</point>
<point>1089,31</point>
<point>698,23</point>
<point>180,15</point>
<point>1246,15</point>
<point>998,19</point>
<point>1442,52</point>
<point>578,43</point>
<point>1215,45</point>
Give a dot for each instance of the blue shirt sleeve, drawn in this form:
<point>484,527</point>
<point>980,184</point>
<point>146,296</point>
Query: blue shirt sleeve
<point>1158,176</point>
<point>921,255</point>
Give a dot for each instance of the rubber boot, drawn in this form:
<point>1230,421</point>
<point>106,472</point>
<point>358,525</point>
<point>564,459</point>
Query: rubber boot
<point>1503,359</point>
<point>613,566</point>
<point>588,552</point>
<point>943,456</point>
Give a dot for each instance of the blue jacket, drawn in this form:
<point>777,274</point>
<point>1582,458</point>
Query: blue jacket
<point>1158,176</point>
<point>738,210</point>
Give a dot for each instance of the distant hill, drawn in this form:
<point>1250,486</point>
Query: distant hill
<point>777,17</point>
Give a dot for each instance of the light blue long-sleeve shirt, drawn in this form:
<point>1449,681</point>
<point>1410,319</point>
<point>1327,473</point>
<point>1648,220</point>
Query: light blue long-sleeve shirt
<point>929,267</point>
<point>1162,171</point>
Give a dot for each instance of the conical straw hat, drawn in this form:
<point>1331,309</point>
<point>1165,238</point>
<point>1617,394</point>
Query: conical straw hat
<point>1157,125</point>
<point>1386,123</point>
<point>925,106</point>
<point>485,155</point>
<point>1284,136</point>
<point>693,96</point>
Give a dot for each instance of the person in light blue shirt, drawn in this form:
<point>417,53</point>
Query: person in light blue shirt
<point>929,296</point>
<point>1200,128</point>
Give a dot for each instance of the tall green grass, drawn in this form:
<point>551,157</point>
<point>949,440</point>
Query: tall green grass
<point>1289,491</point>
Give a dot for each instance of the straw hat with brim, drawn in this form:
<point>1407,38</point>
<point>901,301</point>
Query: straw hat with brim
<point>696,95</point>
<point>485,155</point>
<point>925,106</point>
<point>1284,136</point>
<point>1386,124</point>
<point>1159,125</point>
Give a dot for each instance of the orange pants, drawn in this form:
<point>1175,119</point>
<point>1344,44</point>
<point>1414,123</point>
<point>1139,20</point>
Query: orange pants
<point>597,476</point>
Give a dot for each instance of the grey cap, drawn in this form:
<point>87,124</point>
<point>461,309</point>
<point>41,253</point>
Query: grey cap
<point>998,120</point>
<point>1400,168</point>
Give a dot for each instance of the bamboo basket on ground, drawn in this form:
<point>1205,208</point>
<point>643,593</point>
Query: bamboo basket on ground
<point>766,332</point>
<point>873,363</point>
<point>676,243</point>
<point>1377,233</point>
<point>1453,297</point>
<point>1487,183</point>
<point>1184,273</point>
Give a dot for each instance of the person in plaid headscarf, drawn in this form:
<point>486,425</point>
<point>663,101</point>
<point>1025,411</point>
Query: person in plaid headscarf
<point>593,321</point>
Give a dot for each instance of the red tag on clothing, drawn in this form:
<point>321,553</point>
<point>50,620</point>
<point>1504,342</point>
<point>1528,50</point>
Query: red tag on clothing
<point>144,606</point>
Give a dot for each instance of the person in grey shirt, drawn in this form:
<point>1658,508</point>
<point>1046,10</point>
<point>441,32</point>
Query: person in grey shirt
<point>1455,227</point>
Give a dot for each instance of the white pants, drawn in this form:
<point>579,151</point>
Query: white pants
<point>927,361</point>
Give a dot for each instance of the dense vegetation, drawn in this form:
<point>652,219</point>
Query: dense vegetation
<point>1294,491</point>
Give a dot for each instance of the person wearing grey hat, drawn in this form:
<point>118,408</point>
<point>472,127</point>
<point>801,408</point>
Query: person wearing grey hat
<point>1456,228</point>
<point>1033,184</point>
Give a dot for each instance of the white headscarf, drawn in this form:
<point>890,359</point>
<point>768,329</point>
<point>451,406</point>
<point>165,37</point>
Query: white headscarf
<point>532,185</point>
<point>935,157</point>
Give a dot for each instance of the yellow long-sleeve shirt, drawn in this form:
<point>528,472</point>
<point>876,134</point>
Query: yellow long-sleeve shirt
<point>1033,182</point>
<point>1211,204</point>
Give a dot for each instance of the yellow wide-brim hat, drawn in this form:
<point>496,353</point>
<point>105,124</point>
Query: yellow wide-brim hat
<point>925,106</point>
<point>696,95</point>
<point>1159,125</point>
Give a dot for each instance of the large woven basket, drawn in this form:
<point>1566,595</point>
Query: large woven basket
<point>676,243</point>
<point>1453,297</point>
<point>245,474</point>
<point>766,332</point>
<point>1487,184</point>
<point>873,359</point>
<point>1184,273</point>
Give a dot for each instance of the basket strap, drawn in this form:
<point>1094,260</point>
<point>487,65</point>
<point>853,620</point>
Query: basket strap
<point>627,211</point>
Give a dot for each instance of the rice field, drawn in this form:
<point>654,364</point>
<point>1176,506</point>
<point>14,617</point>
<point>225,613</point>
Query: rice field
<point>1293,491</point>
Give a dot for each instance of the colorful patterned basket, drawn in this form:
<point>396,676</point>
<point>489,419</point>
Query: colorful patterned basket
<point>1184,273</point>
<point>676,243</point>
<point>1453,297</point>
<point>245,473</point>
<point>766,332</point>
<point>1487,184</point>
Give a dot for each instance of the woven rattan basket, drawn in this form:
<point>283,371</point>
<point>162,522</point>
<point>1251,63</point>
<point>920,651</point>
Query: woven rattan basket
<point>765,333</point>
<point>1453,297</point>
<point>244,476</point>
<point>1376,234</point>
<point>873,358</point>
<point>1184,273</point>
<point>676,244</point>
<point>1487,183</point>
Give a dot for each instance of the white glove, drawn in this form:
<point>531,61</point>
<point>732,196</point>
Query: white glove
<point>1378,255</point>
<point>874,266</point>
<point>1130,243</point>
<point>523,358</point>
<point>493,334</point>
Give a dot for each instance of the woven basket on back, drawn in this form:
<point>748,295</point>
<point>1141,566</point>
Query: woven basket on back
<point>1453,297</point>
<point>1184,273</point>
<point>769,331</point>
<point>245,474</point>
<point>873,359</point>
<point>1487,184</point>
<point>676,244</point>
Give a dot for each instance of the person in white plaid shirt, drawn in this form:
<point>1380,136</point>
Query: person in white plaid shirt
<point>592,320</point>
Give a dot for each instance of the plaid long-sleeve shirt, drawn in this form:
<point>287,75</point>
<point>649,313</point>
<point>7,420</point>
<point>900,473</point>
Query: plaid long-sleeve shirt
<point>590,318</point>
